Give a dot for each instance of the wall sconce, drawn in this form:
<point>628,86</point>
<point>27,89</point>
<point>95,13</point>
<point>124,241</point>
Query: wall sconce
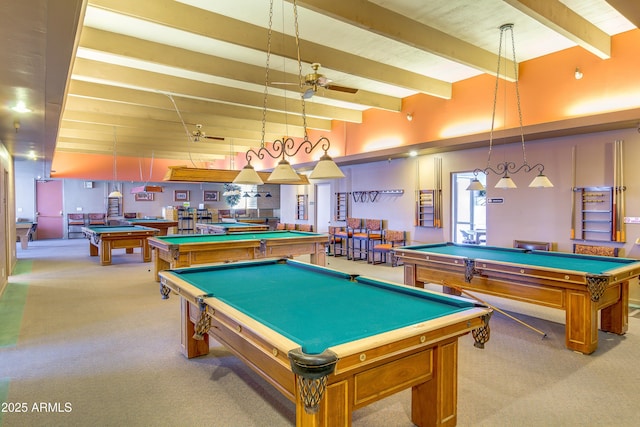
<point>578,74</point>
<point>409,117</point>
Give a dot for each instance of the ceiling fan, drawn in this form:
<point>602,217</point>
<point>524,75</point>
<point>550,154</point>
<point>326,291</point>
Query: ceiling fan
<point>316,80</point>
<point>198,134</point>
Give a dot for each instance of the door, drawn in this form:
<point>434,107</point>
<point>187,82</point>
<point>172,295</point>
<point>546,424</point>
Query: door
<point>323,207</point>
<point>49,209</point>
<point>469,210</point>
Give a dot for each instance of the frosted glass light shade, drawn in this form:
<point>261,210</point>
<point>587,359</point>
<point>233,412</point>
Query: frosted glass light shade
<point>326,169</point>
<point>248,176</point>
<point>506,182</point>
<point>541,181</point>
<point>283,173</point>
<point>475,185</point>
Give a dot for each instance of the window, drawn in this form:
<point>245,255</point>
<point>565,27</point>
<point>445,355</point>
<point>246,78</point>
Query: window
<point>469,210</point>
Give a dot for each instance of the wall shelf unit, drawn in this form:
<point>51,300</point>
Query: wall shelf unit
<point>341,207</point>
<point>425,208</point>
<point>593,218</point>
<point>301,206</point>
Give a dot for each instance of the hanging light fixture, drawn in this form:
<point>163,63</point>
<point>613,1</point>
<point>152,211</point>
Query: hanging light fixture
<point>115,192</point>
<point>506,168</point>
<point>286,147</point>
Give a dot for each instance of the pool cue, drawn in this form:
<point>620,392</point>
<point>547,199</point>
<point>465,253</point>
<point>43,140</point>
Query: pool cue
<point>573,192</point>
<point>493,307</point>
<point>623,230</point>
<point>614,194</point>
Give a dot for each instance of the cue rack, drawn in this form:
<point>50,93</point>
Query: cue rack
<point>598,212</point>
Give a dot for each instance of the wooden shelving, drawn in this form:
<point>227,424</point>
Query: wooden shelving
<point>301,206</point>
<point>593,217</point>
<point>426,215</point>
<point>341,207</point>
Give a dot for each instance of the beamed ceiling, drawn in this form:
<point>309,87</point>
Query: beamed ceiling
<point>147,72</point>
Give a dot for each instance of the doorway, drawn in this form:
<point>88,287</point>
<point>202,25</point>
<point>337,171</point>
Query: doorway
<point>323,207</point>
<point>49,212</point>
<point>469,210</point>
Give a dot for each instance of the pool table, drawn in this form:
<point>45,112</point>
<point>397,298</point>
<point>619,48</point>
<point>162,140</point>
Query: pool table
<point>187,250</point>
<point>328,340</point>
<point>229,227</point>
<point>163,225</point>
<point>103,239</point>
<point>24,231</point>
<point>581,285</point>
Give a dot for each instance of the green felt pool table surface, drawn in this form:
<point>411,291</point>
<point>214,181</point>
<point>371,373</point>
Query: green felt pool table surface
<point>210,238</point>
<point>557,260</point>
<point>316,307</point>
<point>103,229</point>
<point>134,221</point>
<point>233,224</point>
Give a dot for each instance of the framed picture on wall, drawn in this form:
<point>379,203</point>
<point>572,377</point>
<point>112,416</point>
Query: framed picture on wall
<point>181,195</point>
<point>144,197</point>
<point>210,196</point>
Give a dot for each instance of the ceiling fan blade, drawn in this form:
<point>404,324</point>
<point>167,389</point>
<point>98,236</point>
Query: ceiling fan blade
<point>341,89</point>
<point>217,138</point>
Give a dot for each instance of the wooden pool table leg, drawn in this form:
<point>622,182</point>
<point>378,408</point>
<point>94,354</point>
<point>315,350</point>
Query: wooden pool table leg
<point>581,322</point>
<point>189,346</point>
<point>615,318</point>
<point>334,410</point>
<point>435,402</point>
<point>105,252</point>
<point>146,250</point>
<point>93,249</point>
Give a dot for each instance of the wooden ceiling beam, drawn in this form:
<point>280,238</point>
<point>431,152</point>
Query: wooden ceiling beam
<point>115,76</point>
<point>216,26</point>
<point>387,23</point>
<point>144,50</point>
<point>558,17</point>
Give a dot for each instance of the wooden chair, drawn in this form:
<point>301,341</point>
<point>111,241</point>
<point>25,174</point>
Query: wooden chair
<point>97,219</point>
<point>595,250</point>
<point>204,216</point>
<point>333,239</point>
<point>74,220</point>
<point>390,240</point>
<point>532,245</point>
<point>290,227</point>
<point>280,226</point>
<point>345,235</point>
<point>304,227</point>
<point>363,240</point>
<point>130,215</point>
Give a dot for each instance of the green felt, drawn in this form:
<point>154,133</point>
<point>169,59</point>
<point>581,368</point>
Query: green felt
<point>117,228</point>
<point>12,306</point>
<point>134,221</point>
<point>233,224</point>
<point>316,307</point>
<point>207,238</point>
<point>557,260</point>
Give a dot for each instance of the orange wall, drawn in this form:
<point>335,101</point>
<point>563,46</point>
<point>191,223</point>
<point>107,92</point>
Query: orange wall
<point>548,91</point>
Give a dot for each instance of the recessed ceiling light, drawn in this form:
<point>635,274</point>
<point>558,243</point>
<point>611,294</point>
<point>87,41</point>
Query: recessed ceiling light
<point>21,108</point>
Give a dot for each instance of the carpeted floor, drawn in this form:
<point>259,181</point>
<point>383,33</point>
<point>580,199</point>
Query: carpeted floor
<point>95,345</point>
